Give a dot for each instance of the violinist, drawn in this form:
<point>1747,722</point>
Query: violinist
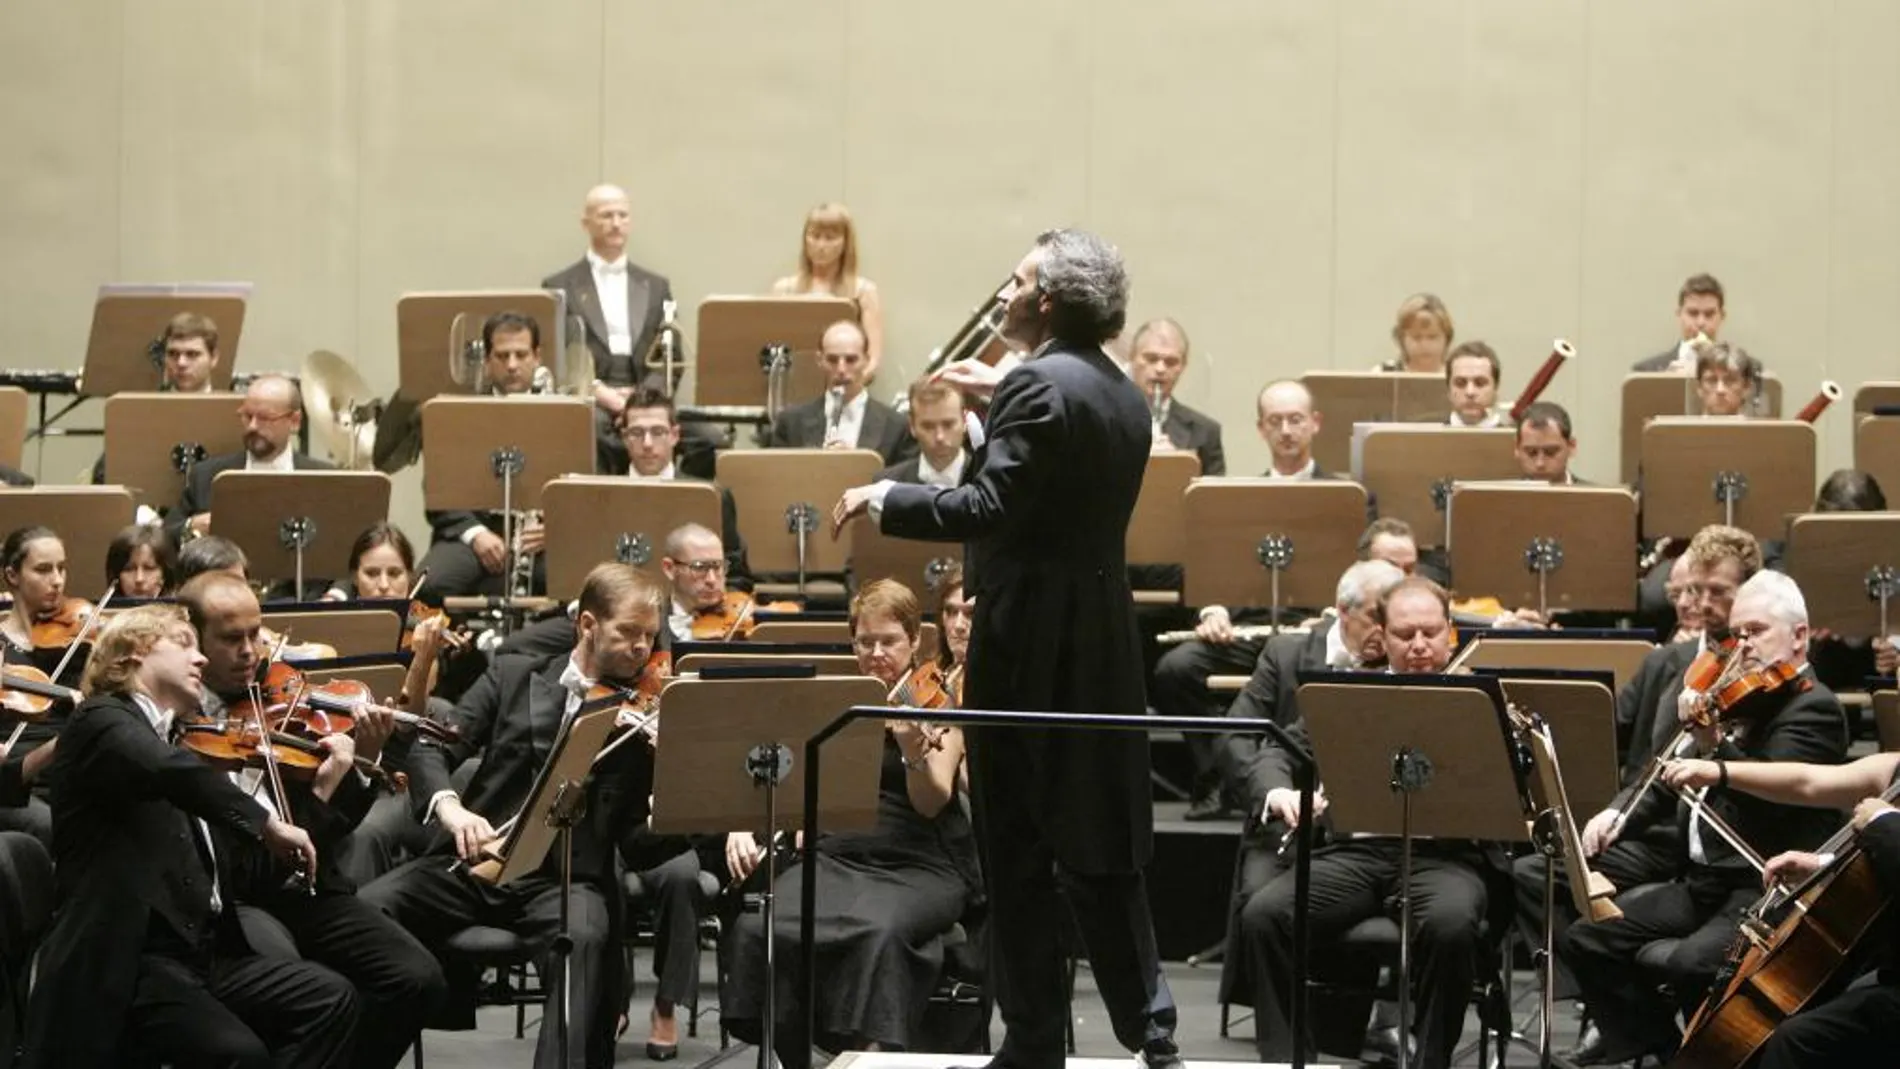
<point>142,562</point>
<point>1856,1026</point>
<point>382,566</point>
<point>650,429</point>
<point>398,981</point>
<point>886,895</point>
<point>146,963</point>
<point>956,607</point>
<point>695,566</point>
<point>1710,881</point>
<point>37,634</point>
<point>509,720</point>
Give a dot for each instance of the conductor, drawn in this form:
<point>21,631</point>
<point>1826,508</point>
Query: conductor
<point>1054,630</point>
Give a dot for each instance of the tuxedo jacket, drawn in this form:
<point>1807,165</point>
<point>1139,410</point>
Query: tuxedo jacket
<point>1253,765</point>
<point>646,293</point>
<point>1660,362</point>
<point>884,429</point>
<point>511,718</point>
<point>125,845</point>
<point>196,497</point>
<point>1044,553</point>
<point>1197,431</point>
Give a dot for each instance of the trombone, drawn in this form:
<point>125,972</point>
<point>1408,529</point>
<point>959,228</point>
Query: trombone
<point>979,338</point>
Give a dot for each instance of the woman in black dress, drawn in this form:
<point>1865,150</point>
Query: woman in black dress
<point>885,896</point>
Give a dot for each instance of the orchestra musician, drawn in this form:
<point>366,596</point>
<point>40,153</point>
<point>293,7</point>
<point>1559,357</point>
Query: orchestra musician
<point>33,566</point>
<point>828,267</point>
<point>1855,1026</point>
<point>1472,376</point>
<point>885,896</point>
<point>271,414</point>
<point>1727,379</point>
<point>1287,422</point>
<point>1423,332</point>
<point>467,554</point>
<point>142,562</point>
<point>1158,356</point>
<point>191,356</point>
<point>510,720</point>
<point>937,426</point>
<point>1700,310</point>
<point>650,431</point>
<point>847,416</point>
<point>695,565</point>
<point>398,981</point>
<point>1545,445</point>
<point>1708,882</point>
<point>146,963</point>
<point>1055,630</point>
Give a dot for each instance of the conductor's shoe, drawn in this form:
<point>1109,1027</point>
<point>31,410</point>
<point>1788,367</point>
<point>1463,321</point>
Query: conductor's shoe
<point>1160,1054</point>
<point>1209,806</point>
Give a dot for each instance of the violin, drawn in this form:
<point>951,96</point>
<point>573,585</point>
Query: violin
<point>310,711</point>
<point>420,614</point>
<point>735,617</point>
<point>237,744</point>
<point>29,694</point>
<point>296,651</point>
<point>64,626</point>
<point>926,687</point>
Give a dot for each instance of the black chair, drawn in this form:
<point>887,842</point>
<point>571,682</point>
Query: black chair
<point>27,894</point>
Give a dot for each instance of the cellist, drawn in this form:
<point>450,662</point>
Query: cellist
<point>1857,1025</point>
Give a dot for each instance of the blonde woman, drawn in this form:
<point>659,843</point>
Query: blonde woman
<point>1423,332</point>
<point>828,267</point>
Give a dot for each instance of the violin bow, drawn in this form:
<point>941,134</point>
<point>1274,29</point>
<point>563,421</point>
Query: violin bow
<point>85,632</point>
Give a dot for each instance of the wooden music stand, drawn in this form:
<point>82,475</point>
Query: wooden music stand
<point>827,664</point>
<point>1344,399</point>
<point>785,497</point>
<point>734,332</point>
<point>1650,394</point>
<point>594,518</point>
<point>1156,533</point>
<point>125,352</point>
<point>914,563</point>
<point>351,632</point>
<point>1877,448</point>
<point>1411,469</point>
<point>488,453</point>
<point>1848,567</point>
<point>1875,394</point>
<point>86,517</point>
<point>1582,718</point>
<point>434,329</point>
<point>152,439</point>
<point>1552,547</point>
<point>1552,650</point>
<point>13,419</point>
<point>1268,542</point>
<point>293,524</point>
<point>1765,468</point>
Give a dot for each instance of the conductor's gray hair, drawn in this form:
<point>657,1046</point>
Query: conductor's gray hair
<point>1087,286</point>
<point>1785,602</point>
<point>1365,583</point>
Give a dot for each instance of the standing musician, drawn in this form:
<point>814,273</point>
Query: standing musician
<point>937,426</point>
<point>649,428</point>
<point>1710,882</point>
<point>397,980</point>
<point>1055,630</point>
<point>1352,880</point>
<point>828,267</point>
<point>1287,422</point>
<point>1158,356</point>
<point>885,896</point>
<point>847,416</point>
<point>146,963</point>
<point>467,554</point>
<point>1699,312</point>
<point>1422,330</point>
<point>141,562</point>
<point>271,414</point>
<point>1472,376</point>
<point>510,719</point>
<point>1856,1026</point>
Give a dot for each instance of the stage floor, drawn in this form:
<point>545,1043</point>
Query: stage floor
<point>882,1060</point>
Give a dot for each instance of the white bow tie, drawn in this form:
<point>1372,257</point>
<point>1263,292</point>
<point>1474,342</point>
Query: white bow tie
<point>612,269</point>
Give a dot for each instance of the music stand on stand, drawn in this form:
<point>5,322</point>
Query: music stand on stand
<point>1411,469</point>
<point>291,523</point>
<point>1269,542</point>
<point>591,518</point>
<point>1877,448</point>
<point>125,352</point>
<point>12,426</point>
<point>154,439</point>
<point>489,453</point>
<point>439,337</point>
<point>729,740</point>
<point>1648,395</point>
<point>1620,653</point>
<point>1383,740</point>
<point>1848,566</point>
<point>1751,474</point>
<point>1348,398</point>
<point>740,337</point>
<point>1563,547</point>
<point>910,561</point>
<point>782,496</point>
<point>1156,533</point>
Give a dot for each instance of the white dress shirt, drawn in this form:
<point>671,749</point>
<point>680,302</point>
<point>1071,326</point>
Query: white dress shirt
<point>1301,475</point>
<point>680,622</point>
<point>947,477</point>
<point>1491,419</point>
<point>285,460</point>
<point>1337,655</point>
<point>161,721</point>
<point>610,284</point>
<point>844,420</point>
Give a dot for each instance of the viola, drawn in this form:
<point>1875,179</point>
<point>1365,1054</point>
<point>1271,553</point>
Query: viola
<point>926,687</point>
<point>63,626</point>
<point>28,693</point>
<point>734,617</point>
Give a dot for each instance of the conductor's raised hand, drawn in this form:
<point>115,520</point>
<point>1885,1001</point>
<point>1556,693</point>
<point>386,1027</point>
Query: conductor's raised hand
<point>973,377</point>
<point>855,502</point>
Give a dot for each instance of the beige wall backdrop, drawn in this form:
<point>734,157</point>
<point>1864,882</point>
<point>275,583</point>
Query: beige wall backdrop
<point>1279,174</point>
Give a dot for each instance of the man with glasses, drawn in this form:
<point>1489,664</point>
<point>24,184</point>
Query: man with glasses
<point>271,415</point>
<point>650,430</point>
<point>846,417</point>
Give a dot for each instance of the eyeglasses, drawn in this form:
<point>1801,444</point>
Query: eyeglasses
<point>702,568</point>
<point>251,415</point>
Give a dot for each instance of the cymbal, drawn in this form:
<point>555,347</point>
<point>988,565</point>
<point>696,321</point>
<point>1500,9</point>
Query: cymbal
<point>342,409</point>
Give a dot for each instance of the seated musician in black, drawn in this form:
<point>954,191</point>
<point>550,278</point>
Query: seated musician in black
<point>1157,358</point>
<point>846,417</point>
<point>1849,1023</point>
<point>1352,880</point>
<point>1712,882</point>
<point>467,554</point>
<point>33,567</point>
<point>146,964</point>
<point>1288,423</point>
<point>937,425</point>
<point>271,414</point>
<point>397,980</point>
<point>511,719</point>
<point>885,896</point>
<point>142,562</point>
<point>650,430</point>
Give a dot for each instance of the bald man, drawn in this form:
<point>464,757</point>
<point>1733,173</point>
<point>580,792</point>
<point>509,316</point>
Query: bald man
<point>618,306</point>
<point>845,417</point>
<point>271,415</point>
